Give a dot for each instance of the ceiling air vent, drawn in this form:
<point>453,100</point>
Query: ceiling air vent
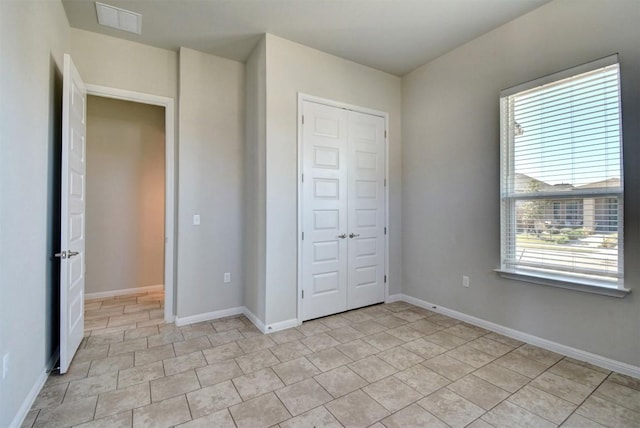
<point>120,19</point>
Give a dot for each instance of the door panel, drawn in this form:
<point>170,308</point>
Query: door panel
<point>324,217</point>
<point>72,263</point>
<point>366,207</point>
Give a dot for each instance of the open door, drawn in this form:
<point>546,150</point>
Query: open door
<point>72,255</point>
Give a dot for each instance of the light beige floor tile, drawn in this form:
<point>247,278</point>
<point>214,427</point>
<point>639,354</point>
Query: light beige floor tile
<point>425,327</point>
<point>471,356</point>
<point>318,417</point>
<point>91,353</point>
<point>357,410</point>
<point>311,328</point>
<point>120,320</point>
<point>320,341</point>
<point>263,411</point>
<point>257,383</point>
<point>110,330</point>
<point>504,340</point>
<point>409,315</point>
<point>405,333</point>
<point>170,386</point>
<point>413,416</point>
<point>356,316</point>
<point>76,371</point>
<point>66,414</point>
<point>479,423</point>
<point>140,374</point>
<point>139,332</point>
<point>448,367</point>
<point>566,389</point>
<point>111,364</point>
<point>218,372</point>
<point>50,396</point>
<point>328,359</point>
<point>543,404</point>
<point>188,346</point>
<point>121,400</point>
<point>340,381</point>
<point>219,419</point>
<point>221,353</point>
<point>128,346</point>
<point>445,340</point>
<point>121,420</point>
<point>212,399</point>
<point>628,381</point>
<point>422,379</point>
<point>303,396</point>
<point>138,307</point>
<point>256,343</point>
<point>165,413</point>
<point>223,337</point>
<point>536,353</point>
<point>345,334</point>
<point>166,337</point>
<point>30,418</point>
<point>479,391</point>
<point>383,341</point>
<point>376,311</point>
<point>295,370</point>
<point>578,373</point>
<point>369,327</point>
<point>392,393</point>
<point>227,324</point>
<point>91,386</point>
<point>334,321</point>
<point>508,415</point>
<point>489,346</point>
<point>466,331</point>
<point>257,360</point>
<point>424,348</point>
<point>400,358</point>
<point>151,355</point>
<point>444,320</point>
<point>577,421</point>
<point>290,350</point>
<point>609,414</point>
<point>98,323</point>
<point>620,394</point>
<point>357,349</point>
<point>104,339</point>
<point>184,363</point>
<point>520,364</point>
<point>502,377</point>
<point>197,330</point>
<point>372,368</point>
<point>288,335</point>
<point>451,408</point>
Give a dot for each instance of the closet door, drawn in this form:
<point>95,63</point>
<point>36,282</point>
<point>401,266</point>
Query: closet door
<point>366,209</point>
<point>324,210</point>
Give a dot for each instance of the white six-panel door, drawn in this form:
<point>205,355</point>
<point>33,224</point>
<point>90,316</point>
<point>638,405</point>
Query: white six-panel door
<point>343,210</point>
<point>72,263</point>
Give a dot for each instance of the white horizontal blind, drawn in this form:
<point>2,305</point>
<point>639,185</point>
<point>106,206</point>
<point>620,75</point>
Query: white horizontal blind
<point>562,179</point>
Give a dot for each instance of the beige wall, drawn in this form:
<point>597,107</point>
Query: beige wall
<point>34,36</point>
<point>211,170</point>
<point>125,195</point>
<point>293,68</point>
<point>451,138</point>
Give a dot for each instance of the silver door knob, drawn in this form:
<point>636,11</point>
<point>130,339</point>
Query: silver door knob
<point>72,253</point>
<point>62,255</point>
<point>354,235</point>
<point>343,236</point>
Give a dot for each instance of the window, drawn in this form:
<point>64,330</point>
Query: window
<point>562,179</point>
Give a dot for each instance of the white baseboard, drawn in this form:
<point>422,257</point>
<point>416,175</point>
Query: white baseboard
<point>282,325</point>
<point>395,298</point>
<point>559,348</point>
<point>254,319</point>
<point>207,316</point>
<point>124,292</point>
<point>35,390</point>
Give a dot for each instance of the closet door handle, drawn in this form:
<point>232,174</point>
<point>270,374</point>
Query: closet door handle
<point>354,235</point>
<point>343,236</point>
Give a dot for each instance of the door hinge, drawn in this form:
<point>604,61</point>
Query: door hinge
<point>303,178</point>
<point>385,279</point>
<point>303,294</point>
<point>385,230</point>
<point>303,236</point>
<point>385,182</point>
<point>303,119</point>
<point>385,133</point>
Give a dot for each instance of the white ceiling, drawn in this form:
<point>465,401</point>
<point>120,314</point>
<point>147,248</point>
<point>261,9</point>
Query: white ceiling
<point>395,36</point>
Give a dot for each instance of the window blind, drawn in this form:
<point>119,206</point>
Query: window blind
<point>562,176</point>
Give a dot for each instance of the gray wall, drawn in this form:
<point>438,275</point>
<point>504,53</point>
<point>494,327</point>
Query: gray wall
<point>125,195</point>
<point>450,175</point>
<point>293,68</point>
<point>33,38</point>
<point>210,167</point>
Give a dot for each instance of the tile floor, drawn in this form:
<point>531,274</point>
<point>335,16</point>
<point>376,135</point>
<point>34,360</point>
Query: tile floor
<point>392,365</point>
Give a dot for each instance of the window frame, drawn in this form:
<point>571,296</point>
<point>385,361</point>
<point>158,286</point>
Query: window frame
<point>508,197</point>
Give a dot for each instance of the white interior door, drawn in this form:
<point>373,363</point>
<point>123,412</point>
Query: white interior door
<point>72,256</point>
<point>324,218</point>
<point>343,210</point>
<point>366,163</point>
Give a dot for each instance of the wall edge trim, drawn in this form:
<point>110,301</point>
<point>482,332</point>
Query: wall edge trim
<point>207,316</point>
<point>124,292</point>
<point>254,319</point>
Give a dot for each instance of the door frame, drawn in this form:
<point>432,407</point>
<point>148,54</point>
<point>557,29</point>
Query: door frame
<point>302,97</point>
<point>169,187</point>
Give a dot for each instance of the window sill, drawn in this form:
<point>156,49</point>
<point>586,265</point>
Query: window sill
<point>562,282</point>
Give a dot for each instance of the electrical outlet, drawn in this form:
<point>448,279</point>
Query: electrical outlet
<point>196,219</point>
<point>227,277</point>
<point>5,365</point>
<point>465,281</point>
